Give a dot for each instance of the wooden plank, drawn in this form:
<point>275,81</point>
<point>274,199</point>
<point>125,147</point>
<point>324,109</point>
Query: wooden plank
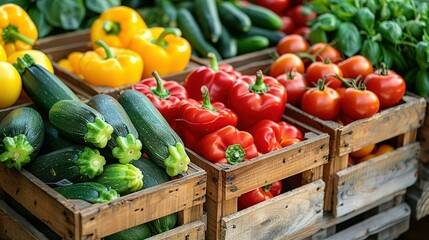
<point>62,39</point>
<point>191,231</point>
<point>424,139</point>
<point>394,231</point>
<point>334,165</point>
<point>252,67</point>
<point>375,224</point>
<point>214,215</point>
<point>277,217</point>
<point>370,181</point>
<point>419,201</point>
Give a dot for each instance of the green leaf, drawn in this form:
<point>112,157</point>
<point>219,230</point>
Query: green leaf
<point>317,34</point>
<point>319,6</point>
<point>22,3</point>
<point>63,14</point>
<point>371,50</point>
<point>100,6</point>
<point>365,19</point>
<point>348,39</point>
<point>43,27</point>
<point>391,31</point>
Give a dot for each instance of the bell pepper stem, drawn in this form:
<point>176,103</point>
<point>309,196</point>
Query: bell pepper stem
<point>235,154</point>
<point>111,28</point>
<point>128,149</point>
<point>109,53</point>
<point>17,151</point>
<point>259,86</point>
<point>90,162</point>
<point>167,31</point>
<point>99,132</point>
<point>206,99</point>
<point>10,35</point>
<point>178,160</point>
<point>266,188</point>
<point>213,61</point>
<point>160,91</point>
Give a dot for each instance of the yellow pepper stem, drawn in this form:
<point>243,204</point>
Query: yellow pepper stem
<point>213,61</point>
<point>10,35</point>
<point>109,53</point>
<point>171,30</point>
<point>111,28</point>
<point>160,91</point>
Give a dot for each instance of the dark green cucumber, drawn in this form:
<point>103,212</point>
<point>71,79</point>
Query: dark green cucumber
<point>80,123</point>
<point>124,144</point>
<point>153,174</point>
<point>91,192</point>
<point>160,142</point>
<point>273,36</point>
<point>192,32</point>
<point>169,11</point>
<point>42,86</point>
<point>251,44</point>
<point>54,140</point>
<point>138,232</point>
<point>21,137</point>
<point>208,19</point>
<point>163,224</point>
<point>74,164</point>
<point>123,178</point>
<point>233,18</point>
<point>262,17</point>
<point>227,45</point>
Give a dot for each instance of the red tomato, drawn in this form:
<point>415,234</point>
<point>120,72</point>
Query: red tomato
<point>358,104</point>
<point>356,65</point>
<point>303,31</point>
<point>288,25</point>
<point>324,51</point>
<point>286,63</point>
<point>318,70</point>
<point>292,43</point>
<point>295,85</point>
<point>301,15</point>
<point>277,6</point>
<point>387,85</point>
<point>322,102</point>
<point>341,90</point>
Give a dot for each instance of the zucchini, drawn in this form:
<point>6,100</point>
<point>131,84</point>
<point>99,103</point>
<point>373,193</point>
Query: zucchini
<point>208,19</point>
<point>138,232</point>
<point>91,192</point>
<point>251,44</point>
<point>227,45</point>
<point>233,18</point>
<point>169,12</point>
<point>21,137</point>
<point>42,86</point>
<point>160,142</point>
<point>273,36</point>
<point>80,123</point>
<point>163,224</point>
<point>123,178</point>
<point>124,144</point>
<point>192,32</point>
<point>74,164</point>
<point>153,174</point>
<point>262,17</point>
<point>54,140</point>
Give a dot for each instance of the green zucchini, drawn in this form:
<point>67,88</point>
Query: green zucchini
<point>138,232</point>
<point>80,123</point>
<point>163,224</point>
<point>251,44</point>
<point>233,18</point>
<point>21,137</point>
<point>123,178</point>
<point>227,45</point>
<point>169,12</point>
<point>42,86</point>
<point>91,192</point>
<point>273,36</point>
<point>160,142</point>
<point>153,174</point>
<point>124,144</point>
<point>74,164</point>
<point>208,19</point>
<point>192,32</point>
<point>262,17</point>
<point>54,140</point>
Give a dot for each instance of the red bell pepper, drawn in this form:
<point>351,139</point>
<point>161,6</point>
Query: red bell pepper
<point>165,95</point>
<point>229,69</point>
<point>217,81</point>
<point>227,145</point>
<point>270,136</point>
<point>195,119</point>
<point>259,195</point>
<point>254,98</point>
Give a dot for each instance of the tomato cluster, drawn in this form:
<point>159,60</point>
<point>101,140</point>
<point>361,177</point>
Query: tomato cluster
<point>324,84</point>
<point>368,152</point>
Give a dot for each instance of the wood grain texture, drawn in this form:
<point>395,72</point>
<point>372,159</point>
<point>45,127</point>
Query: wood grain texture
<point>190,231</point>
<point>335,164</point>
<point>277,217</point>
<point>423,137</point>
<point>419,201</point>
<point>370,181</point>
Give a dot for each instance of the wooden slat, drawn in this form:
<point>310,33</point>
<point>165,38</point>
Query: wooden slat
<point>62,39</point>
<point>334,165</point>
<point>277,217</point>
<point>424,139</point>
<point>419,201</point>
<point>370,181</point>
<point>191,231</point>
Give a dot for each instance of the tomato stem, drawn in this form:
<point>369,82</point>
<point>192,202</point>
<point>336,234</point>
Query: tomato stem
<point>383,70</point>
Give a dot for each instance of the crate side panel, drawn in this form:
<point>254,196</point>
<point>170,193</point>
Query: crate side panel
<point>190,231</point>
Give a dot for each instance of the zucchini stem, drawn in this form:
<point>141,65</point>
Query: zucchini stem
<point>178,160</point>
<point>99,132</point>
<point>17,151</point>
<point>90,162</point>
<point>128,149</point>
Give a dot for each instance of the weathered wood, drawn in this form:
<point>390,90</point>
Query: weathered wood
<point>191,231</point>
<point>277,217</point>
<point>419,201</point>
<point>335,164</point>
<point>424,139</point>
<point>370,181</point>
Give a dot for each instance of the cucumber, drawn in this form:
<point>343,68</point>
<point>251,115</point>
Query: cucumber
<point>91,192</point>
<point>233,18</point>
<point>273,36</point>
<point>262,17</point>
<point>153,174</point>
<point>251,44</point>
<point>123,178</point>
<point>73,164</point>
<point>160,142</point>
<point>208,19</point>
<point>169,10</point>
<point>42,86</point>
<point>80,123</point>
<point>138,232</point>
<point>21,137</point>
<point>54,140</point>
<point>192,32</point>
<point>227,45</point>
<point>124,144</point>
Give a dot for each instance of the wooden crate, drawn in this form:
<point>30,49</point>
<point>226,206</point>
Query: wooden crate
<point>278,217</point>
<point>400,121</point>
<point>75,219</point>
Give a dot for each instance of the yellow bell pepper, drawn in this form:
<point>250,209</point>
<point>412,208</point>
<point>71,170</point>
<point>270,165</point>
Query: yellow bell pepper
<point>112,67</point>
<point>65,63</point>
<point>162,50</point>
<point>17,30</point>
<point>39,57</point>
<point>3,56</point>
<point>11,85</point>
<point>74,59</point>
<point>116,26</point>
